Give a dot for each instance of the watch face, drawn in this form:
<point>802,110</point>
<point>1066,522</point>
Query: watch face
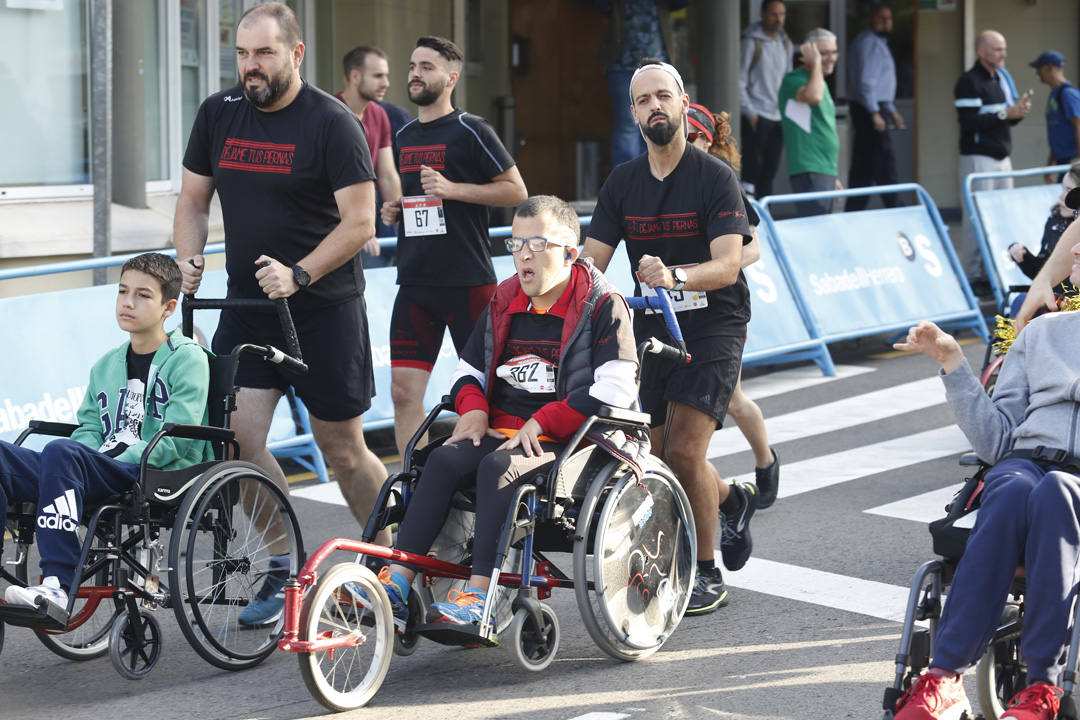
<point>680,275</point>
<point>303,279</point>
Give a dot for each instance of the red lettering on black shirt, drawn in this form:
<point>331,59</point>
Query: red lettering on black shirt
<point>253,156</point>
<point>411,158</point>
<point>662,226</point>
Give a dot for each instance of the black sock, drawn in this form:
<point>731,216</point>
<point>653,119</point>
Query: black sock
<point>732,503</point>
<point>706,567</point>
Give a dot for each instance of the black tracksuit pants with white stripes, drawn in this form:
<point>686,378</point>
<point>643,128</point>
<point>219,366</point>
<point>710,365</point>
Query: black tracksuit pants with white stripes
<point>61,479</point>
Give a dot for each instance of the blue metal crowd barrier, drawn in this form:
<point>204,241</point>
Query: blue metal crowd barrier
<point>873,271</point>
<point>1002,217</point>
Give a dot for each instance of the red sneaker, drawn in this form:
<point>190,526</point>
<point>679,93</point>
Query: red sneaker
<point>933,697</point>
<point>1035,702</point>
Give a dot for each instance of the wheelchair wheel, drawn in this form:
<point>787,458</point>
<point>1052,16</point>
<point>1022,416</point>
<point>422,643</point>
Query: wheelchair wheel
<point>634,560</point>
<point>1000,673</point>
<point>219,560</point>
<point>346,678</point>
<point>134,652</point>
<point>533,647</point>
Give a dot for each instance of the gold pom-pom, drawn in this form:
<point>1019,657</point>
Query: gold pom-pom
<point>1070,303</point>
<point>1004,334</point>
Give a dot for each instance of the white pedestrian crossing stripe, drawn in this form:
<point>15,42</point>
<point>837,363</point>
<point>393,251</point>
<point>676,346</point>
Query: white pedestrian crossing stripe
<point>838,415</point>
<point>921,508</point>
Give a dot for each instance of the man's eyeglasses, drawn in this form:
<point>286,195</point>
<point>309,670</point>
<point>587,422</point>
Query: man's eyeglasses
<point>536,244</point>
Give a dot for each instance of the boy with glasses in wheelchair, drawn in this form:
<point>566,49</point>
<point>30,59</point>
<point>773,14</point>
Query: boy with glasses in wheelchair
<point>1029,513</point>
<point>554,344</point>
<point>153,378</point>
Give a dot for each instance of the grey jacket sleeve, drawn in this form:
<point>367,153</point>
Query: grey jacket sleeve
<point>989,423</point>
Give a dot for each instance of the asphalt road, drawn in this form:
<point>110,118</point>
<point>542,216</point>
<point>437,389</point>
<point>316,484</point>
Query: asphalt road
<point>809,633</point>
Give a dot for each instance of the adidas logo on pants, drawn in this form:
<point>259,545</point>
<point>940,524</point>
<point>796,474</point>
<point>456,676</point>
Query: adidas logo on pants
<point>61,514</point>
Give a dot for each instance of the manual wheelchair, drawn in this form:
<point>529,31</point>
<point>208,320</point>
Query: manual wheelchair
<point>1000,673</point>
<point>221,519</point>
<point>630,535</point>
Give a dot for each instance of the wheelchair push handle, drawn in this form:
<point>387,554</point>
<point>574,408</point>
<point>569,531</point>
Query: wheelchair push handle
<point>662,302</point>
<point>292,359</point>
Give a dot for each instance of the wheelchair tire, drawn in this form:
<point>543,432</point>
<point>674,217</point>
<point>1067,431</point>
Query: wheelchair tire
<point>631,598</point>
<point>533,648</point>
<point>1000,673</point>
<point>346,678</point>
<point>134,653</point>
<point>219,559</point>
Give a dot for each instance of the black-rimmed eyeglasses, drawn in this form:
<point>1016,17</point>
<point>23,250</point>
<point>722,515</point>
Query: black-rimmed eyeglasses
<point>536,244</point>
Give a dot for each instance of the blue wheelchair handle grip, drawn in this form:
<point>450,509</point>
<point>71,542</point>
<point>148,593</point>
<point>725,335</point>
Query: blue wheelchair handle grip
<point>662,302</point>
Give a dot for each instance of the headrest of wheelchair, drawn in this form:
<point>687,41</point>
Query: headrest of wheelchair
<point>1072,200</point>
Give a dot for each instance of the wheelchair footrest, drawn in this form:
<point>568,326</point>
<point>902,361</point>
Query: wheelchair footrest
<point>46,617</point>
<point>459,635</point>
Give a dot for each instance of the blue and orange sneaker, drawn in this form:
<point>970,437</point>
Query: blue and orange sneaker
<point>397,590</point>
<point>460,608</point>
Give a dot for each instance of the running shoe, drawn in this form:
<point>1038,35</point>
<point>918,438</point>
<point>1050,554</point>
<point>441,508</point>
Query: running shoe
<point>1035,702</point>
<point>397,590</point>
<point>460,608</point>
<point>49,589</point>
<point>270,600</point>
<point>735,542</point>
<point>708,594</point>
<point>768,481</point>
<point>933,697</point>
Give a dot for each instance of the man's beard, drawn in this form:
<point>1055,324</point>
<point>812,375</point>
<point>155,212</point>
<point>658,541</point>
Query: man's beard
<point>426,95</point>
<point>661,133</point>
<point>272,92</point>
<point>369,96</point>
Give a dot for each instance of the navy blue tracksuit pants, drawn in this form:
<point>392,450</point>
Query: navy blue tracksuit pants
<point>1029,515</point>
<point>60,478</point>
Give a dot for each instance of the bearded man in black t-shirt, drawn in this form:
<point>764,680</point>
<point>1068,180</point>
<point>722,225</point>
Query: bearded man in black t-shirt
<point>293,173</point>
<point>453,169</point>
<point>681,213</point>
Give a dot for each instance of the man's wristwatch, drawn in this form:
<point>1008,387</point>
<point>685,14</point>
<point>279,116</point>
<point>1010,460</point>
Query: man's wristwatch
<point>680,279</point>
<point>301,276</point>
<point>1002,115</point>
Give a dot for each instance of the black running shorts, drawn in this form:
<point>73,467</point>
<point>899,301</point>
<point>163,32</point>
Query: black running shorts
<point>705,385</point>
<point>421,315</point>
<point>334,341</point>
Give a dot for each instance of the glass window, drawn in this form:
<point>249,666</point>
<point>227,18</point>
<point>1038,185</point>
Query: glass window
<point>155,62</point>
<point>44,76</point>
<point>193,59</point>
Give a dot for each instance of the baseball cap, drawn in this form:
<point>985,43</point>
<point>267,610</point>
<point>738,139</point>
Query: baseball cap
<point>1050,57</point>
<point>701,120</point>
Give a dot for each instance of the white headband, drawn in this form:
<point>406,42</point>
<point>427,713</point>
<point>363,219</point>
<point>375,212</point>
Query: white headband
<point>669,69</point>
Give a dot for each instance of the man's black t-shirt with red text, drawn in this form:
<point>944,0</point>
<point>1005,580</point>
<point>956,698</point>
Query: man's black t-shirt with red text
<point>675,219</point>
<point>463,148</point>
<point>276,174</point>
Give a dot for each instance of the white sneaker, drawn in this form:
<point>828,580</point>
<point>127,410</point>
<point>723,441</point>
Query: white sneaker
<point>49,589</point>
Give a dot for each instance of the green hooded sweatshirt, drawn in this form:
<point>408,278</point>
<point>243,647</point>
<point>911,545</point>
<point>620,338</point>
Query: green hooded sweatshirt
<point>176,390</point>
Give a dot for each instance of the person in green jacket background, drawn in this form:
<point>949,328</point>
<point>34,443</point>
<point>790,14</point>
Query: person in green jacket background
<point>808,116</point>
<point>153,378</point>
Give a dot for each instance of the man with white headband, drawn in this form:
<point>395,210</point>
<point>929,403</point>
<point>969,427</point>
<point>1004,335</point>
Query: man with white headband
<point>681,213</point>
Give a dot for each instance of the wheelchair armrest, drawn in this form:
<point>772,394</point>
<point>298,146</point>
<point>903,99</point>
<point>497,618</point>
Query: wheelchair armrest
<point>197,432</point>
<point>45,427</point>
<point>970,459</point>
<point>622,415</point>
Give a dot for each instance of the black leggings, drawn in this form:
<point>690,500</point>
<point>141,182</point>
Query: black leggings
<point>451,468</point>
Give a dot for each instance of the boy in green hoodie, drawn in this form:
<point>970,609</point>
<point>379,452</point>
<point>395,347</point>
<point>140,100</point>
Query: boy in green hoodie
<point>154,378</point>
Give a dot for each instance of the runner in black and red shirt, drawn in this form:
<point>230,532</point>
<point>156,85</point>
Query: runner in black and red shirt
<point>681,213</point>
<point>453,169</point>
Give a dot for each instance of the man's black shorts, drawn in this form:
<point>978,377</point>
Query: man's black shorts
<point>422,314</point>
<point>334,340</point>
<point>705,385</point>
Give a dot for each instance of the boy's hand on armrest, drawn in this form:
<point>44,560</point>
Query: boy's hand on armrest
<point>528,437</point>
<point>934,343</point>
<point>473,426</point>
